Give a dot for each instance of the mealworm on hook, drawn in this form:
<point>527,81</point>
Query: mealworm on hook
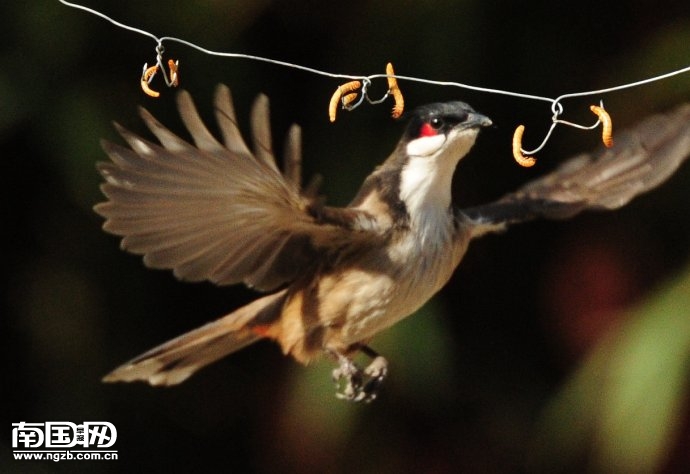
<point>349,98</point>
<point>173,66</point>
<point>146,77</point>
<point>522,160</point>
<point>606,125</point>
<point>395,90</point>
<point>335,98</point>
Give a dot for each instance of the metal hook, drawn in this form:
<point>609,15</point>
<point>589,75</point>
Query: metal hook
<point>557,109</point>
<point>171,79</point>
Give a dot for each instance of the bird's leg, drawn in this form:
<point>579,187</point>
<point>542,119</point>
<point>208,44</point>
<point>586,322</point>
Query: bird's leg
<point>348,371</point>
<point>359,385</point>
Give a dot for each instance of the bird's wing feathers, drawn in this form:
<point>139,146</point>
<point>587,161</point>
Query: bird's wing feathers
<point>642,158</point>
<point>216,211</point>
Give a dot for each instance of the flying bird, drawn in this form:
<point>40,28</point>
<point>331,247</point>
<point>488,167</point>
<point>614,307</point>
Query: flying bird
<point>333,277</point>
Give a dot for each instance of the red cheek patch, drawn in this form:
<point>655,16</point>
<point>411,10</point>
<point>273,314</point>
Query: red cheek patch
<point>427,131</point>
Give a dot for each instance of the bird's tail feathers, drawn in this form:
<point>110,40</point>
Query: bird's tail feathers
<point>176,360</point>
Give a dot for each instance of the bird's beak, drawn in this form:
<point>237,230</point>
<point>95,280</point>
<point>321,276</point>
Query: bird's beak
<point>478,120</point>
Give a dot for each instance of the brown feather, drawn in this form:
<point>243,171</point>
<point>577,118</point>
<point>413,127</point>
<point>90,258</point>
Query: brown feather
<point>215,211</point>
<point>261,132</point>
<point>227,122</point>
<point>642,158</point>
<point>292,163</point>
<point>176,360</point>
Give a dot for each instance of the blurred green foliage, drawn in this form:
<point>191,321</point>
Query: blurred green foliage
<point>624,406</point>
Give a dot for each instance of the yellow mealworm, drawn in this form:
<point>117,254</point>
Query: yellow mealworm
<point>606,125</point>
<point>173,66</point>
<point>349,98</point>
<point>522,160</point>
<point>335,98</point>
<point>145,77</point>
<point>395,90</point>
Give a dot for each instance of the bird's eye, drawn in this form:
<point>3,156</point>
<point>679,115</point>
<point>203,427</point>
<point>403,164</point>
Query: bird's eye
<point>431,127</point>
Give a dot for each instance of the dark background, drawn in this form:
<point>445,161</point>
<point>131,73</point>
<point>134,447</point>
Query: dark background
<point>557,347</point>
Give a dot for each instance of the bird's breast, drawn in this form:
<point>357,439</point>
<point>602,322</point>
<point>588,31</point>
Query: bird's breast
<point>410,271</point>
<point>368,291</point>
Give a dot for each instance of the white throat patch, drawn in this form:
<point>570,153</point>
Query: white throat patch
<point>425,146</point>
<point>425,180</point>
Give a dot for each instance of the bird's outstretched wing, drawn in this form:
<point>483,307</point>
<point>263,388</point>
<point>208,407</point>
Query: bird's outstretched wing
<point>642,158</point>
<point>218,211</point>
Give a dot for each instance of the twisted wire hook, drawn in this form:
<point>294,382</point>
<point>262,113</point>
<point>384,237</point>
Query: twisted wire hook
<point>557,109</point>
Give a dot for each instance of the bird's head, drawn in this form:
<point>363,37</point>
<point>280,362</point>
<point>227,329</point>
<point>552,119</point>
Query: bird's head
<point>441,130</point>
<point>437,137</point>
<point>419,172</point>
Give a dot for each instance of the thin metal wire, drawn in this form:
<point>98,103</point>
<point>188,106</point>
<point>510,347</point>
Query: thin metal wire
<point>362,95</point>
<point>555,121</point>
<point>556,103</point>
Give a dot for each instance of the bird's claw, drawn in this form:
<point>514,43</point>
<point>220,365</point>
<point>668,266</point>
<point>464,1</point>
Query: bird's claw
<point>357,385</point>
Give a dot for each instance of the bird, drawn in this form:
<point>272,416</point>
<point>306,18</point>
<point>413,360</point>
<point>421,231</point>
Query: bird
<point>331,278</point>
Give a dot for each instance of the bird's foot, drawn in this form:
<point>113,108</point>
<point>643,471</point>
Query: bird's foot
<point>357,385</point>
<point>376,373</point>
<point>348,380</point>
